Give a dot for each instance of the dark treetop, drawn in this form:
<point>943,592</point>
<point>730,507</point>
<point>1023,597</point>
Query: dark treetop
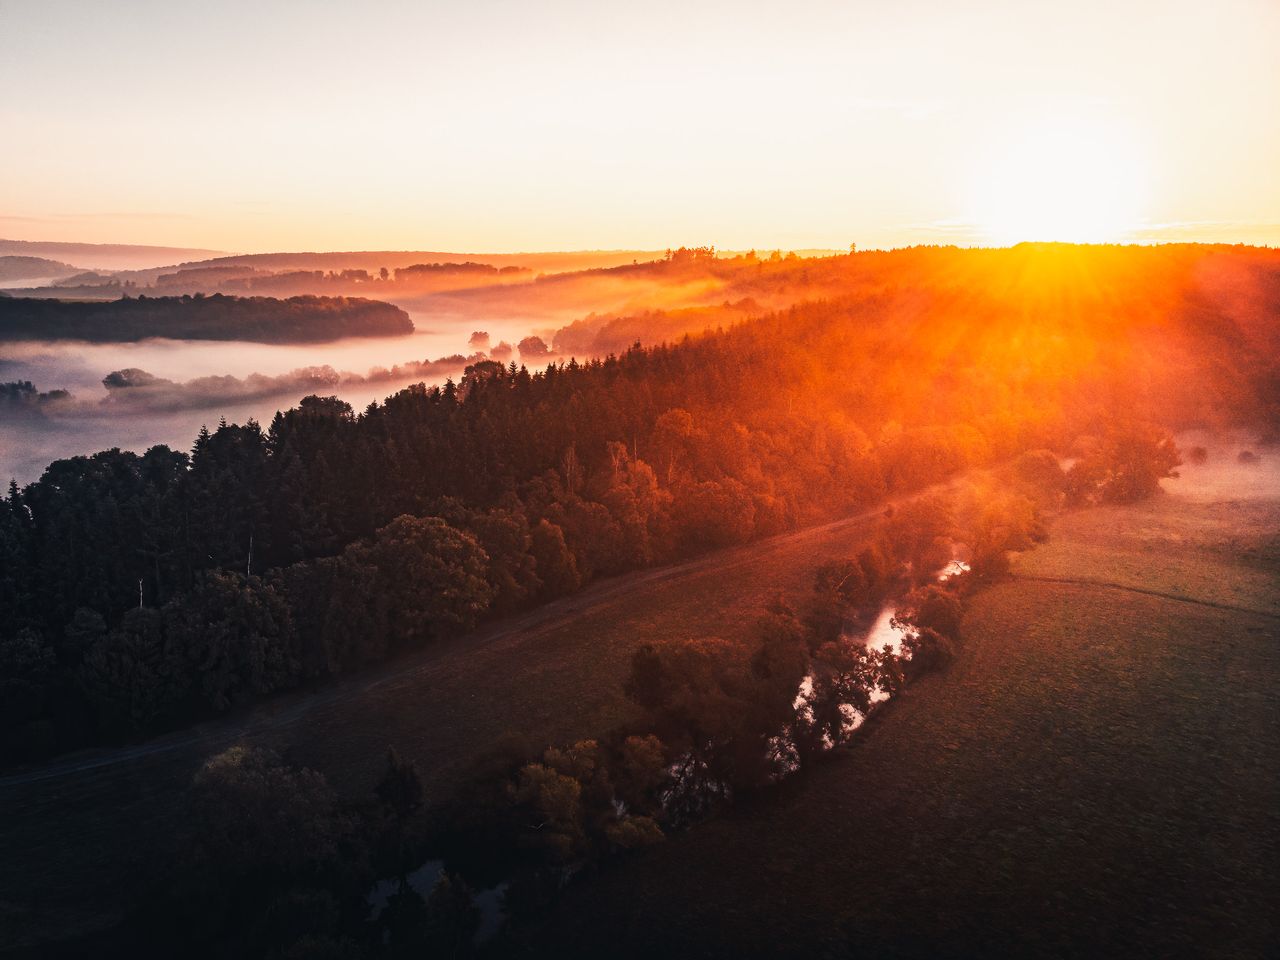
<point>260,319</point>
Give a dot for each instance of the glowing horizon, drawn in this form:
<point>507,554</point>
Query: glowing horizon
<point>573,126</point>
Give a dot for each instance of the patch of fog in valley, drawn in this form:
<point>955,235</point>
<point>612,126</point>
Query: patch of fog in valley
<point>1226,465</point>
<point>211,380</point>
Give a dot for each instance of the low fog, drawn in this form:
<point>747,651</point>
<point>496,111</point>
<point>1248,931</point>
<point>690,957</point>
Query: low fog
<point>163,391</point>
<point>1226,465</point>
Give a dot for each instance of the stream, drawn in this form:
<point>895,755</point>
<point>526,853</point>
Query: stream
<point>687,774</point>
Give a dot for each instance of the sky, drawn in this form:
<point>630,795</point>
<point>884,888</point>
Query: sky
<point>492,125</point>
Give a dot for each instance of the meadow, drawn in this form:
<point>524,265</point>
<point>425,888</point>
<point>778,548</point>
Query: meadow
<point>1096,774</point>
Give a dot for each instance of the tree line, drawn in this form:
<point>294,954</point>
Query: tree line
<point>139,592</point>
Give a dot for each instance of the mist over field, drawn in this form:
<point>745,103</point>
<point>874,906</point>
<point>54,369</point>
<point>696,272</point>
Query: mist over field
<point>162,390</point>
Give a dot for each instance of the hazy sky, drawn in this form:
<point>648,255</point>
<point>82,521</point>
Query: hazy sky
<point>514,124</point>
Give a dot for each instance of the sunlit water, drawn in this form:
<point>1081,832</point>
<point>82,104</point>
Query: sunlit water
<point>885,632</point>
<point>693,790</point>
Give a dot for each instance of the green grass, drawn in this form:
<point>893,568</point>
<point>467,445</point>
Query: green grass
<point>1097,775</point>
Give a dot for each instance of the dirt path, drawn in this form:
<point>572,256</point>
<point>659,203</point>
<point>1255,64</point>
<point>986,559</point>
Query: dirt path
<point>294,707</point>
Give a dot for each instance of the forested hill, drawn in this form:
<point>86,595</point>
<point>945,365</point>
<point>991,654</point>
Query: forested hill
<point>28,268</point>
<point>306,319</point>
<point>1069,284</point>
<point>333,539</point>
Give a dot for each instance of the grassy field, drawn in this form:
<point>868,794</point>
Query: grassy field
<point>1097,775</point>
<point>79,833</point>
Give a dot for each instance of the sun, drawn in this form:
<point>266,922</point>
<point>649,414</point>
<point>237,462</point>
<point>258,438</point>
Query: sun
<point>1070,179</point>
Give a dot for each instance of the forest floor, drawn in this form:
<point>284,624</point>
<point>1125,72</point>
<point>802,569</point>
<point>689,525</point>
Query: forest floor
<point>82,833</point>
<point>1098,774</point>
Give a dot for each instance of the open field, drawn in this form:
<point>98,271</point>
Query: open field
<point>96,820</point>
<point>1097,774</point>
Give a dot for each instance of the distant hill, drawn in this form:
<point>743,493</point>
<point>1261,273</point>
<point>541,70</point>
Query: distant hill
<point>256,319</point>
<point>88,278</point>
<point>144,263</point>
<point>104,256</point>
<point>33,268</point>
<point>373,260</point>
<point>554,261</point>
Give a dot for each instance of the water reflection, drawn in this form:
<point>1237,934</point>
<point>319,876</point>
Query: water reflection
<point>885,631</point>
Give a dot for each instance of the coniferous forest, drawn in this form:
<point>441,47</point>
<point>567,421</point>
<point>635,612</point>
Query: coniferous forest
<point>140,592</point>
